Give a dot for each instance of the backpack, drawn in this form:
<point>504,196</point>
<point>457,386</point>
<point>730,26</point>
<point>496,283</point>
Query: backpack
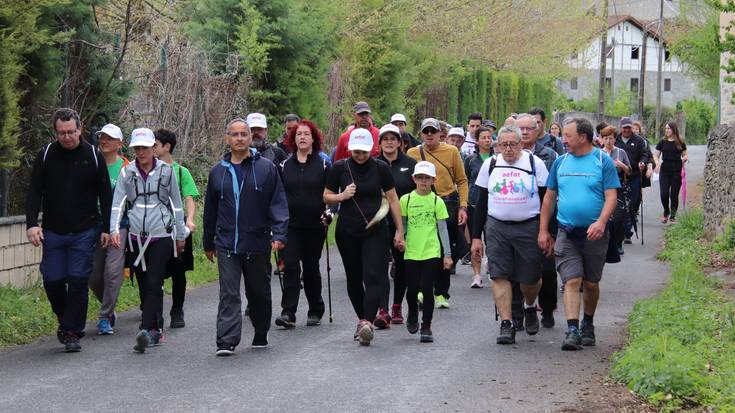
<point>532,172</point>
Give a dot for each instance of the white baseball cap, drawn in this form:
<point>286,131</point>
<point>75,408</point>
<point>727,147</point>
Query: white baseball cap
<point>456,131</point>
<point>390,128</point>
<point>112,131</point>
<point>424,168</point>
<point>398,117</point>
<point>257,120</point>
<point>142,137</point>
<point>360,140</point>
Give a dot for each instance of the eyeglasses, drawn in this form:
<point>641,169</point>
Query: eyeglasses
<point>240,134</point>
<point>508,145</point>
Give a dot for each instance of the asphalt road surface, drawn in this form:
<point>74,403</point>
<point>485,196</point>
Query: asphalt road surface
<point>322,369</point>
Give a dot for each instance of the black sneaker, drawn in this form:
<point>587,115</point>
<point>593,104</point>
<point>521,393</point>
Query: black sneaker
<point>60,335</point>
<point>426,336</point>
<point>313,320</point>
<point>260,340</point>
<point>547,319</point>
<point>518,324</point>
<point>71,343</point>
<point>627,240</point>
<point>507,333</point>
<point>412,322</point>
<point>224,350</point>
<point>177,318</point>
<point>572,341</point>
<point>531,318</point>
<point>285,321</point>
<point>587,333</point>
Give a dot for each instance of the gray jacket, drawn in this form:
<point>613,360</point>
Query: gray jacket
<point>154,206</point>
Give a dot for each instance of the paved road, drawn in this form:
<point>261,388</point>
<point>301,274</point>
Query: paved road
<point>322,369</point>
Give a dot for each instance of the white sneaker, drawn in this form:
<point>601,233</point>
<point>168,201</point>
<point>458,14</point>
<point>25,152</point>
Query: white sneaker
<point>477,282</point>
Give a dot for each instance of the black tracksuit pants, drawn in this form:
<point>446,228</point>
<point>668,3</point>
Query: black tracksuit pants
<point>150,282</point>
<point>301,257</point>
<point>365,260</point>
<point>421,275</point>
<point>670,185</point>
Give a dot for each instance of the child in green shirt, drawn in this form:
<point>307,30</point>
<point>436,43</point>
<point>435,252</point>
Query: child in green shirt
<point>427,239</point>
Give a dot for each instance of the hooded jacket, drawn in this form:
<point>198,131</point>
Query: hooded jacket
<point>239,218</point>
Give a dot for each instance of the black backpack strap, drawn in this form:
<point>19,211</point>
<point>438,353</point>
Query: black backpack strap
<point>421,151</point>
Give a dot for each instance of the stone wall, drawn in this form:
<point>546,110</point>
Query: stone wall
<point>18,258</point>
<point>719,192</point>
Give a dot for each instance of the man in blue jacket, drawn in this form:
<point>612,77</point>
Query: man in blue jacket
<point>245,216</point>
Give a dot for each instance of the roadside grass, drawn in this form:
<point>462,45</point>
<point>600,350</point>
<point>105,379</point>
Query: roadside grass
<point>681,352</point>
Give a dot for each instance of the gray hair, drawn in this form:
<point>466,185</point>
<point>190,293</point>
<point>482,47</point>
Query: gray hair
<point>65,115</point>
<point>510,129</point>
<point>234,121</point>
<point>524,116</point>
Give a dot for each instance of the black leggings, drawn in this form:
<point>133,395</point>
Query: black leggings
<point>670,184</point>
<point>151,281</point>
<point>399,276</point>
<point>423,274</point>
<point>301,259</point>
<point>366,267</point>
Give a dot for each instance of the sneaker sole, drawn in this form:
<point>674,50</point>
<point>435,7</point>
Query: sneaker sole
<point>105,333</point>
<point>73,349</point>
<point>224,353</point>
<point>426,339</point>
<point>313,323</point>
<point>532,330</point>
<point>505,340</point>
<point>177,325</point>
<point>411,329</point>
<point>588,343</point>
<point>571,347</point>
<point>381,324</point>
<point>396,321</point>
<point>476,286</point>
<point>284,324</point>
<point>366,335</point>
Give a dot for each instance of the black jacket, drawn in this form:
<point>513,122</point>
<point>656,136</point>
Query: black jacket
<point>637,151</point>
<point>402,171</point>
<point>67,186</point>
<point>304,185</point>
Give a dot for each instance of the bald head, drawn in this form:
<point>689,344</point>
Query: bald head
<point>510,121</point>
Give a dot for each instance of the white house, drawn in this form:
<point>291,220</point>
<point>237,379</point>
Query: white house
<point>624,53</point>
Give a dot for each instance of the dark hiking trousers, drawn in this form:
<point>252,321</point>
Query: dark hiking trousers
<point>365,260</point>
<point>254,270</point>
<point>420,276</point>
<point>301,259</point>
<point>670,185</point>
<point>150,282</point>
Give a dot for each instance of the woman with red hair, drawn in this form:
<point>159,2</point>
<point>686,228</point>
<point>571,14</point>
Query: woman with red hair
<point>304,176</point>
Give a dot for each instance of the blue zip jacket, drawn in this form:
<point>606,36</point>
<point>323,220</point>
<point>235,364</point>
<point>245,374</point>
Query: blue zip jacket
<point>242,219</point>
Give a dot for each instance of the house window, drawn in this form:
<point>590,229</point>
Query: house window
<point>635,53</point>
<point>667,85</point>
<point>634,84</point>
<point>608,82</point>
<point>573,83</point>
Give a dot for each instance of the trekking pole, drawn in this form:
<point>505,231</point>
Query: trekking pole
<point>329,277</point>
<point>641,208</point>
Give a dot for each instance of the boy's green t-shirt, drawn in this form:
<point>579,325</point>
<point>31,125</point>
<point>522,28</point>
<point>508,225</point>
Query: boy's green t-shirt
<point>422,213</point>
<point>114,171</point>
<point>187,186</point>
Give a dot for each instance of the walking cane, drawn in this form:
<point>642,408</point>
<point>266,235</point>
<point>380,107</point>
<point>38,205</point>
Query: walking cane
<point>641,208</point>
<point>329,277</point>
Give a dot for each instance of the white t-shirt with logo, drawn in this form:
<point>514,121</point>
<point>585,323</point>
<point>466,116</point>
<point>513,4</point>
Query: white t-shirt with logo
<point>512,189</point>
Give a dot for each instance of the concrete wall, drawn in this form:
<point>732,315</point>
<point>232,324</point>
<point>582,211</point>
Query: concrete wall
<point>719,193</point>
<point>18,258</point>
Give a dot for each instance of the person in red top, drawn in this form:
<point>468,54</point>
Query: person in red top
<point>361,112</point>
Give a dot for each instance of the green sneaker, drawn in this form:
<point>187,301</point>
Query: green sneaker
<point>441,301</point>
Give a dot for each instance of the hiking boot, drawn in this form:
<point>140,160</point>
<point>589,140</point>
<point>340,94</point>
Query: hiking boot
<point>426,336</point>
<point>531,319</point>
<point>507,333</point>
<point>224,350</point>
<point>420,300</point>
<point>441,301</point>
<point>143,340</point>
<point>313,320</point>
<point>518,324</point>
<point>587,333</point>
<point>104,328</point>
<point>412,324</point>
<point>365,332</point>
<point>627,240</point>
<point>382,321</point>
<point>71,343</point>
<point>476,281</point>
<point>177,318</point>
<point>260,340</point>
<point>157,337</point>
<point>572,340</point>
<point>396,316</point>
<point>286,321</point>
<point>547,319</point>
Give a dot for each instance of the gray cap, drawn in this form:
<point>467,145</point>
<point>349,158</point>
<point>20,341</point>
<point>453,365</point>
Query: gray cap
<point>626,122</point>
<point>429,122</point>
<point>361,107</point>
<point>291,117</point>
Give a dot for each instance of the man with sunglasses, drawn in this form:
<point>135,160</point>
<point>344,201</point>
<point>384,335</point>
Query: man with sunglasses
<point>451,186</point>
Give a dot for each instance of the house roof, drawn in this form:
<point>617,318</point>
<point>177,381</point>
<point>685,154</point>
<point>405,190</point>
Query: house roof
<point>650,26</point>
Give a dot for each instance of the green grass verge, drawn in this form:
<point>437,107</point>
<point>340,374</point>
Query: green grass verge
<point>25,313</point>
<point>682,341</point>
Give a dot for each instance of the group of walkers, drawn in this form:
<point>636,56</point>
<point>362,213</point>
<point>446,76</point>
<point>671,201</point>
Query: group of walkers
<point>536,204</point>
